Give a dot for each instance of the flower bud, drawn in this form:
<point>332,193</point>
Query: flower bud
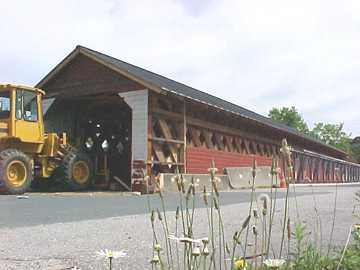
<point>206,251</point>
<point>196,252</point>
<point>246,222</point>
<point>152,217</point>
<point>157,247</point>
<point>205,196</point>
<point>215,188</point>
<point>155,259</point>
<point>159,214</point>
<point>273,171</point>
<point>255,213</point>
<point>236,236</point>
<point>288,229</point>
<point>253,171</point>
<point>254,230</point>
<point>216,203</point>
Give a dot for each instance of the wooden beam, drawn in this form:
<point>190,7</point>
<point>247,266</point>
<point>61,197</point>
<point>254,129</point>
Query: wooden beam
<point>159,152</point>
<point>168,114</point>
<point>229,143</point>
<point>219,141</point>
<point>165,140</point>
<point>195,136</point>
<point>149,132</point>
<point>168,136</point>
<point>261,147</point>
<point>253,144</point>
<point>164,162</point>
<point>207,135</point>
<point>212,126</point>
<point>184,136</point>
<point>247,146</point>
<point>238,142</point>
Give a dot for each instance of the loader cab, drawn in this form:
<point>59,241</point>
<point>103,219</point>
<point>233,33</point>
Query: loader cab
<point>5,104</point>
<point>21,113</point>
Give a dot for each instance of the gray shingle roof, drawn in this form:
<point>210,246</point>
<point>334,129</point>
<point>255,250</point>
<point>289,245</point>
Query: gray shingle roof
<point>166,84</point>
<point>187,91</point>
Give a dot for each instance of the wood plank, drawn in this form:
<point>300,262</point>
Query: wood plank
<point>195,137</point>
<point>219,141</point>
<point>166,140</point>
<point>159,152</point>
<point>164,163</point>
<point>267,150</point>
<point>184,136</point>
<point>212,126</point>
<point>253,146</point>
<point>167,134</point>
<point>247,146</point>
<point>261,147</point>
<point>229,143</point>
<point>168,114</point>
<point>238,142</point>
<point>165,129</point>
<point>274,150</point>
<point>207,135</point>
<point>149,132</point>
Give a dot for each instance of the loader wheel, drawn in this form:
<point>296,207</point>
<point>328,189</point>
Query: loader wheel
<point>15,171</point>
<point>78,170</point>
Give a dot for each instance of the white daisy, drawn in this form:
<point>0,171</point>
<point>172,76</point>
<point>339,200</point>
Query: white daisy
<point>184,239</point>
<point>274,263</point>
<point>111,254</point>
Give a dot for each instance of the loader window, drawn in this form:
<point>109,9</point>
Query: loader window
<point>26,105</point>
<point>4,105</point>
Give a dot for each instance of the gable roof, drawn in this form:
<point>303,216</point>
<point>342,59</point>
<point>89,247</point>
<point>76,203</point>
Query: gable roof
<point>160,84</point>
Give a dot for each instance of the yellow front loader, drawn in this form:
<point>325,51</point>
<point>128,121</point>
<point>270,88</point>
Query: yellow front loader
<point>27,152</point>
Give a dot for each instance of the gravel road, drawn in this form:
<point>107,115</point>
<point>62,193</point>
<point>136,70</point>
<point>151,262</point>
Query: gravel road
<point>60,231</point>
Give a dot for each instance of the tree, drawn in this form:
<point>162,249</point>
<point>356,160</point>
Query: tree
<point>333,135</point>
<point>290,117</point>
<point>355,148</point>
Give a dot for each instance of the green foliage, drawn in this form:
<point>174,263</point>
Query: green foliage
<point>351,260</point>
<point>290,117</point>
<point>332,134</point>
<point>299,234</point>
<point>311,259</point>
<point>355,149</point>
<point>307,257</point>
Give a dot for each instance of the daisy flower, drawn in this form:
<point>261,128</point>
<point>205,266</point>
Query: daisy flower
<point>274,263</point>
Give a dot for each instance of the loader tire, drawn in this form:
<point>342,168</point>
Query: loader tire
<point>78,170</point>
<point>16,172</point>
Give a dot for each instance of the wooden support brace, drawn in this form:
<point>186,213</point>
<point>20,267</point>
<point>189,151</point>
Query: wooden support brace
<point>253,145</point>
<point>229,143</point>
<point>238,142</point>
<point>247,146</point>
<point>195,136</point>
<point>261,147</point>
<point>159,152</point>
<point>219,141</point>
<point>167,134</point>
<point>207,135</point>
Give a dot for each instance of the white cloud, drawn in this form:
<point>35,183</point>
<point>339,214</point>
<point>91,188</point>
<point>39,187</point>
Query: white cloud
<point>258,54</point>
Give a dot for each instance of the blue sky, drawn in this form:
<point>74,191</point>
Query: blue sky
<point>258,54</point>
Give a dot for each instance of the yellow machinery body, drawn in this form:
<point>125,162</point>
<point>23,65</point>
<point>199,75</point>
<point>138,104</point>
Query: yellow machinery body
<point>22,129</point>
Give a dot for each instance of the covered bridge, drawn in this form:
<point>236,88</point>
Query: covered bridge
<point>141,121</point>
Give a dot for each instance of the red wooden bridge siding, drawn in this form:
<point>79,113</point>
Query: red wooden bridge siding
<point>198,160</point>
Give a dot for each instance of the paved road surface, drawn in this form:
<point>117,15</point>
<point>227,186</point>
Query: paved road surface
<point>71,207</point>
<point>56,231</point>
